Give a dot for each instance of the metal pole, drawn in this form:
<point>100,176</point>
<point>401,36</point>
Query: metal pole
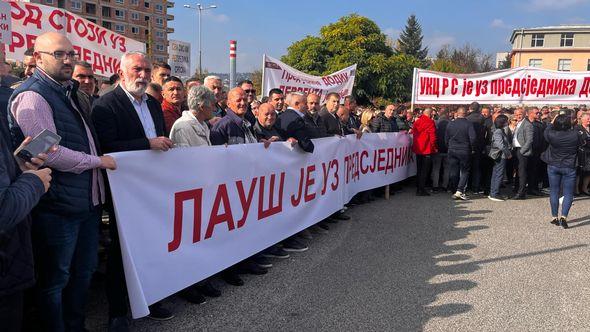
<point>200,50</point>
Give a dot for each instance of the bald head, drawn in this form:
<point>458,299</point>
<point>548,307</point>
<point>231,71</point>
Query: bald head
<point>428,112</point>
<point>267,115</point>
<point>54,54</point>
<point>236,101</point>
<point>461,112</point>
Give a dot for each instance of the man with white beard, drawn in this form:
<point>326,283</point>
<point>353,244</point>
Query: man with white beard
<point>128,119</point>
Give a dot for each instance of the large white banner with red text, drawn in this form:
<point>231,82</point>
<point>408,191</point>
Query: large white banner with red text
<point>523,85</point>
<point>277,74</point>
<point>100,47</point>
<point>186,214</point>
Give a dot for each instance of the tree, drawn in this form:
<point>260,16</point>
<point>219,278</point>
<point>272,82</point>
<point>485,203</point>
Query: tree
<point>466,59</point>
<point>507,63</point>
<point>256,78</point>
<point>445,66</point>
<point>410,40</point>
<point>355,39</point>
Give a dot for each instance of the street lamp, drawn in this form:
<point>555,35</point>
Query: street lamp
<point>200,8</point>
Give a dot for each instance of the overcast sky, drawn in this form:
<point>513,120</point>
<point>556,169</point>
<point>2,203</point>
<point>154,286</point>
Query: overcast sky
<point>271,26</point>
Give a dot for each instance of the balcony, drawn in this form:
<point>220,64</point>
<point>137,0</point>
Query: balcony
<point>169,30</point>
<point>169,17</point>
<point>169,4</point>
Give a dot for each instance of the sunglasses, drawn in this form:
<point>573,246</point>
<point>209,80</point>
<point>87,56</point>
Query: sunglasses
<point>250,91</point>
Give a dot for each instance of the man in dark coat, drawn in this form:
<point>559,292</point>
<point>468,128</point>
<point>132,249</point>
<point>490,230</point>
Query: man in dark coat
<point>477,121</point>
<point>291,123</point>
<point>329,116</point>
<point>384,122</point>
<point>461,141</point>
<point>313,122</point>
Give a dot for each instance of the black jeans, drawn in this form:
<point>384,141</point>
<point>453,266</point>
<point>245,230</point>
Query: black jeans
<point>476,170</point>
<point>459,167</point>
<point>11,312</point>
<point>533,164</point>
<point>522,172</point>
<point>423,165</point>
<point>116,289</point>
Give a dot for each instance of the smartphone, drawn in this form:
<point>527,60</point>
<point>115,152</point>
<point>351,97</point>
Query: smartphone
<point>40,144</point>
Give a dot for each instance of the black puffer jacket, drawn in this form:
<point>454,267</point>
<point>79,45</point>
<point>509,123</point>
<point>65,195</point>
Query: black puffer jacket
<point>19,193</point>
<point>381,124</point>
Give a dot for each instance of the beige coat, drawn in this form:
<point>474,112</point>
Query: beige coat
<point>188,131</point>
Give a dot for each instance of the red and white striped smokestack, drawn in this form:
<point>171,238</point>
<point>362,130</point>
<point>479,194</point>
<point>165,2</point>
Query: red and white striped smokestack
<point>232,63</point>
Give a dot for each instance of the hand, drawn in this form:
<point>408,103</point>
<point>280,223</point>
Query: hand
<point>214,120</point>
<point>44,175</point>
<point>107,162</point>
<point>266,142</point>
<point>292,140</point>
<point>35,162</point>
<point>509,156</point>
<point>358,133</point>
<point>161,143</point>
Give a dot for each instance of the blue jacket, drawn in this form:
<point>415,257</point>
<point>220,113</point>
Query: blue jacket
<point>460,136</point>
<point>70,193</point>
<point>19,193</point>
<point>230,130</point>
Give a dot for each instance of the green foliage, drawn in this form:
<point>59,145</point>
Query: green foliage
<point>256,78</point>
<point>356,39</point>
<point>410,40</point>
<point>445,66</point>
<point>466,59</point>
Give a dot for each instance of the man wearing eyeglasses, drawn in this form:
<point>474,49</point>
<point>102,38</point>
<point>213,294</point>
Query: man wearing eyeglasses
<point>250,92</point>
<point>65,227</point>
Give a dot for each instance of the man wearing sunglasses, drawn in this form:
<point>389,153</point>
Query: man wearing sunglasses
<point>65,227</point>
<point>250,92</point>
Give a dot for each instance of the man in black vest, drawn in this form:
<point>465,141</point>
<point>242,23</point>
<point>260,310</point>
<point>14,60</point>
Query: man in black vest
<point>127,119</point>
<point>65,228</point>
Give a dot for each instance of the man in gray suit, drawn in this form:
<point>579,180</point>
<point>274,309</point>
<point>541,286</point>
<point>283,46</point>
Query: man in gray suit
<point>523,148</point>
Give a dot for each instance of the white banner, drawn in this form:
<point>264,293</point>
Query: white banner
<point>186,214</point>
<point>100,47</point>
<point>279,75</point>
<point>524,85</point>
<point>179,58</point>
<point>5,23</point>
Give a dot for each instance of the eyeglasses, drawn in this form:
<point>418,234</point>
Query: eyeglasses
<point>250,91</point>
<point>62,55</point>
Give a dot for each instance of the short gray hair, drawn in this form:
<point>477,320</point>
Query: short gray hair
<point>199,96</point>
<point>211,78</point>
<point>125,57</point>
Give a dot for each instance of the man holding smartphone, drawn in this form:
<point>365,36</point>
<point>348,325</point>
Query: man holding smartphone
<point>65,229</point>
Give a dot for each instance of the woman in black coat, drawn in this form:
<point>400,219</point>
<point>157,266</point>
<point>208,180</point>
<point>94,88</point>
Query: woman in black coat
<point>560,158</point>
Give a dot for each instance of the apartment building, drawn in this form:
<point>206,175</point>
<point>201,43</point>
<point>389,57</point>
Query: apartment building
<point>143,20</point>
<point>563,48</point>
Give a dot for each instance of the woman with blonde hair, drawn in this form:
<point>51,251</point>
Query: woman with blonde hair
<point>366,119</point>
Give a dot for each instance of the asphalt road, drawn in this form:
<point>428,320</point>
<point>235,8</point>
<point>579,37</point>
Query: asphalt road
<point>412,264</point>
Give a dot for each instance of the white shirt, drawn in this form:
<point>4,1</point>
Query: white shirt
<point>515,142</point>
<point>144,114</point>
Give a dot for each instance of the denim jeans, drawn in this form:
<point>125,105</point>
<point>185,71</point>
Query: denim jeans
<point>65,258</point>
<point>459,167</point>
<point>561,177</point>
<point>440,160</point>
<point>497,176</point>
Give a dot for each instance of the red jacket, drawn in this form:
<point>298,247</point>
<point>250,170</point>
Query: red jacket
<point>171,114</point>
<point>424,131</point>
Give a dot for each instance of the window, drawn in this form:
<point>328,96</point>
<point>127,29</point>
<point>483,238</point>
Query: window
<point>106,24</point>
<point>588,67</point>
<point>567,39</point>
<point>119,28</point>
<point>159,21</point>
<point>535,63</point>
<point>135,2</point>
<point>159,47</point>
<point>49,2</point>
<point>119,13</point>
<point>106,11</point>
<point>91,9</point>
<point>159,8</point>
<point>159,34</point>
<point>135,30</point>
<point>538,40</point>
<point>121,2</point>
<point>146,4</point>
<point>77,6</point>
<point>135,16</point>
<point>564,64</point>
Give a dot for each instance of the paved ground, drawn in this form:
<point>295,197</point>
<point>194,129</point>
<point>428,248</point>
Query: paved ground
<point>413,264</point>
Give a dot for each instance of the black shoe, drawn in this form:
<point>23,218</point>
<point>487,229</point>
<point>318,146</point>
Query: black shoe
<point>555,221</point>
<point>262,261</point>
<point>422,193</point>
<point>535,193</point>
<point>250,267</point>
<point>119,324</point>
<point>293,245</point>
<point>332,220</point>
<point>563,223</point>
<point>519,197</point>
<point>207,289</point>
<point>232,278</point>
<point>323,225</point>
<point>158,312</point>
<point>340,216</point>
<point>275,252</point>
<point>192,295</point>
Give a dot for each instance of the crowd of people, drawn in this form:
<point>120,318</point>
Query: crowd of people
<point>52,205</point>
